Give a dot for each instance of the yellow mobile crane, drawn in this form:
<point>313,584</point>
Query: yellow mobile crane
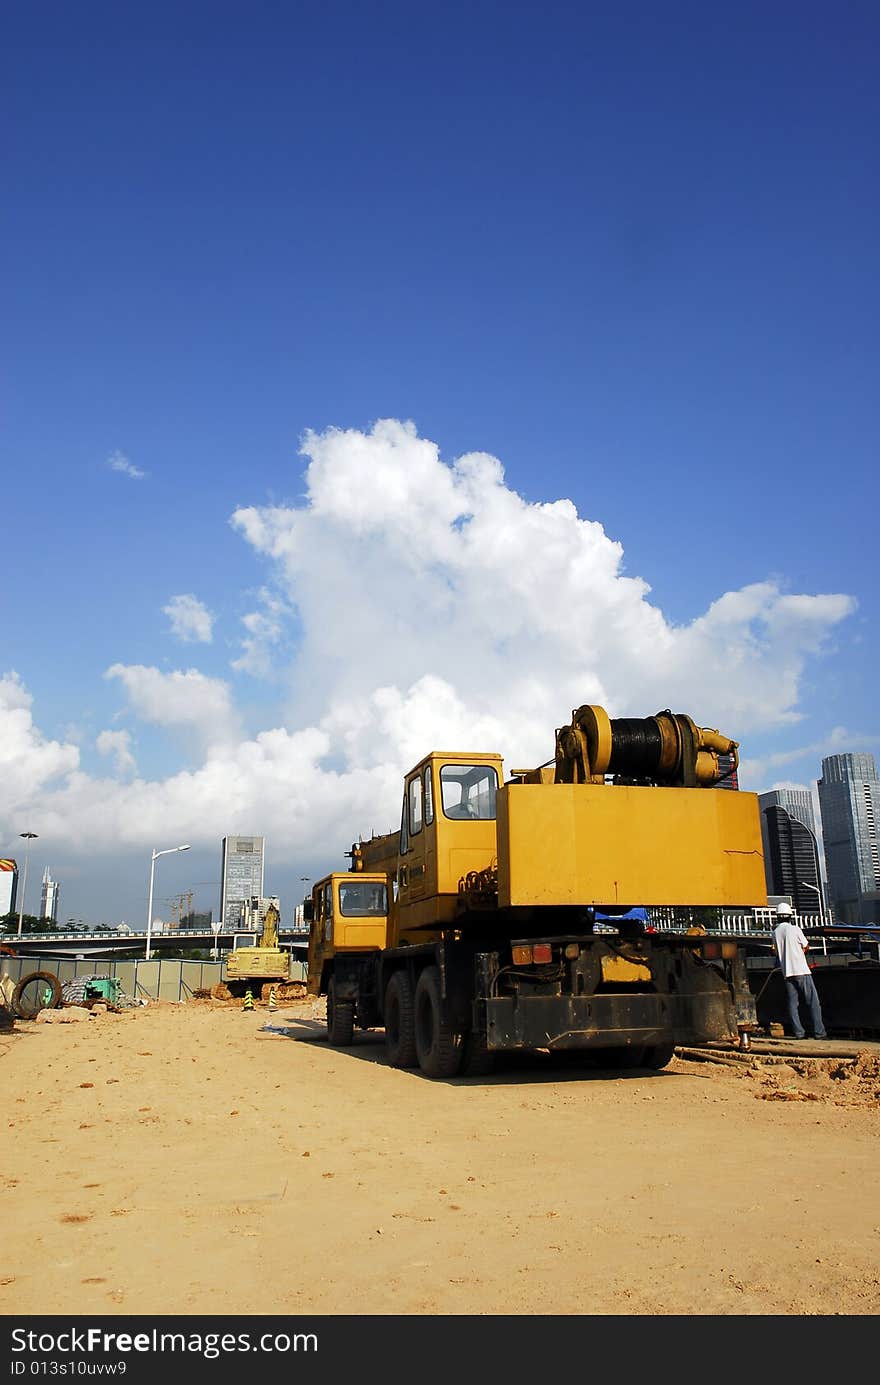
<point>472,930</point>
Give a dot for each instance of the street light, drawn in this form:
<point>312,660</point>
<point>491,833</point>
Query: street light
<point>156,854</point>
<point>29,837</point>
<point>821,899</point>
<point>791,817</point>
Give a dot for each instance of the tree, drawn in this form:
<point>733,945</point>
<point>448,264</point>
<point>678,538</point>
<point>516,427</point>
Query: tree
<point>29,924</point>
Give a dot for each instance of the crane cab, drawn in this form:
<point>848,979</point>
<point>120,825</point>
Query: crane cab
<point>447,833</point>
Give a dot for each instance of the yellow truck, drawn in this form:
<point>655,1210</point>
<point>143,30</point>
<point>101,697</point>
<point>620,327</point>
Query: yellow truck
<point>472,930</point>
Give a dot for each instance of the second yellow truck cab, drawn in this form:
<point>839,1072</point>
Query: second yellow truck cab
<point>349,920</point>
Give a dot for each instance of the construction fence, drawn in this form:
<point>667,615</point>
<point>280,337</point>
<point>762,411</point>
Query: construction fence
<point>168,979</point>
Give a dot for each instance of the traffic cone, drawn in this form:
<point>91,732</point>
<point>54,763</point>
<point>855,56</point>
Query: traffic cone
<point>272,1005</point>
<point>248,1000</point>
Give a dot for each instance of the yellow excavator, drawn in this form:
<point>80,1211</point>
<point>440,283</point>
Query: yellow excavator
<point>267,965</point>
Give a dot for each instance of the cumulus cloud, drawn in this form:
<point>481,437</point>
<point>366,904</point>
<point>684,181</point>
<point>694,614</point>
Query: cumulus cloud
<point>179,699</point>
<point>117,744</point>
<point>119,462</point>
<point>839,740</point>
<point>265,634</point>
<point>190,619</point>
<point>29,763</point>
<point>402,566</point>
<point>434,608</point>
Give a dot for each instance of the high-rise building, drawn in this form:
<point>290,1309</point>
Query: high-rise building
<point>241,876</point>
<point>849,797</point>
<point>197,919</point>
<point>797,802</point>
<point>791,851</point>
<point>49,897</point>
<point>8,886</point>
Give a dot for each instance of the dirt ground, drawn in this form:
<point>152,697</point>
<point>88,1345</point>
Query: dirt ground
<point>197,1159</point>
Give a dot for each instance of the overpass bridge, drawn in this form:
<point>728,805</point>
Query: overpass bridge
<point>109,943</point>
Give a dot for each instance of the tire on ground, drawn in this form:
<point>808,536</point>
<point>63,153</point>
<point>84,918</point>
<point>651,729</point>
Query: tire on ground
<point>340,1018</point>
<point>438,1046</point>
<point>38,990</point>
<point>400,1025</point>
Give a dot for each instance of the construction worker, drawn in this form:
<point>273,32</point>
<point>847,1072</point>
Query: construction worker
<point>800,988</point>
<point>248,1000</point>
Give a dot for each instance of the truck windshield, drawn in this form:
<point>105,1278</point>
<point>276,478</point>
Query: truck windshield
<point>363,899</point>
<point>468,791</point>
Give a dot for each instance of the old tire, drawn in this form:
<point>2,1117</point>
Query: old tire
<point>400,1023</point>
<point>340,1018</point>
<point>39,990</point>
<point>438,1046</point>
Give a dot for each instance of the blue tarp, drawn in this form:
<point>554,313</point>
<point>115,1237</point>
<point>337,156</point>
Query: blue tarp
<point>639,914</point>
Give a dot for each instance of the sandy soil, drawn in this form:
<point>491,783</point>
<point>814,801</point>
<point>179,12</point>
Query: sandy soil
<point>186,1159</point>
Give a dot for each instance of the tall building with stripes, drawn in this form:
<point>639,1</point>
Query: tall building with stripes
<point>241,876</point>
<point>849,797</point>
<point>792,864</point>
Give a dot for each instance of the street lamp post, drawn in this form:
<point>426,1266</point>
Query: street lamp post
<point>818,888</point>
<point>821,900</point>
<point>29,837</point>
<point>156,854</point>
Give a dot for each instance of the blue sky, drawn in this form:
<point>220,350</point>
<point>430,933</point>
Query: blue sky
<point>274,270</point>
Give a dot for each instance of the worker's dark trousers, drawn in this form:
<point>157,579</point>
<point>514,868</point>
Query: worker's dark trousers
<point>801,991</point>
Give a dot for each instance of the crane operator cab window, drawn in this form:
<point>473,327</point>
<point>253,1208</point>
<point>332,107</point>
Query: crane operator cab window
<point>468,791</point>
<point>363,899</point>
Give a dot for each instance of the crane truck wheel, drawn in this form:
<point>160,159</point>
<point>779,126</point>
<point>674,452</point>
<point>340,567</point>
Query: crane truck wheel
<point>438,1046</point>
<point>400,1025</point>
<point>658,1056</point>
<point>477,1058</point>
<point>340,1018</point>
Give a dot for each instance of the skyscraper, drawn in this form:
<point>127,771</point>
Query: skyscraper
<point>849,797</point>
<point>791,853</point>
<point>241,876</point>
<point>49,897</point>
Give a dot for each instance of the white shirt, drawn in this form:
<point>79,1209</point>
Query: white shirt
<point>790,943</point>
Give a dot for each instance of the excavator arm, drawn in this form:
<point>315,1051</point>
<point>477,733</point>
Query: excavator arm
<point>269,935</point>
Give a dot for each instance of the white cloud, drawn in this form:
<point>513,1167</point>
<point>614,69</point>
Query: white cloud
<point>28,762</point>
<point>190,619</point>
<point>117,744</point>
<point>265,633</point>
<point>119,462</point>
<point>179,699</point>
<point>402,566</point>
<point>761,769</point>
<point>435,608</point>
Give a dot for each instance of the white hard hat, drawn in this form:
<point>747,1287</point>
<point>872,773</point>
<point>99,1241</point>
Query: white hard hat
<point>784,910</point>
